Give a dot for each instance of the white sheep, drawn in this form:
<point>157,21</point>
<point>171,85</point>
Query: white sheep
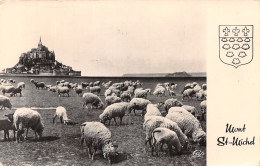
<point>190,109</point>
<point>153,122</point>
<point>190,126</point>
<point>203,107</point>
<point>159,91</point>
<point>140,93</point>
<point>94,100</point>
<point>7,89</point>
<point>178,109</point>
<point>97,136</point>
<point>113,111</point>
<point>112,99</point>
<point>93,89</point>
<point>63,90</point>
<point>125,96</point>
<point>138,104</point>
<point>172,103</point>
<point>27,118</point>
<point>62,115</point>
<point>152,110</point>
<point>197,88</point>
<point>148,90</point>
<point>188,93</point>
<point>21,85</point>
<point>171,93</point>
<point>5,102</point>
<point>161,136</point>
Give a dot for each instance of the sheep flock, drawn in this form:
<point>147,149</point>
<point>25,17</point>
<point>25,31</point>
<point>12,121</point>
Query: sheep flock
<point>171,116</point>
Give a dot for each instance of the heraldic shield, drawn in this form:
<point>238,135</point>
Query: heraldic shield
<point>236,44</point>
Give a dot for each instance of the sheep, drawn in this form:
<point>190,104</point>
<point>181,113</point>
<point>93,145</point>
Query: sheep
<point>152,110</point>
<point>78,90</point>
<point>162,136</point>
<point>178,109</point>
<point>7,89</point>
<point>125,96</point>
<point>39,85</point>
<point>197,88</point>
<point>108,92</point>
<point>153,122</point>
<point>138,104</point>
<point>97,136</point>
<point>148,90</point>
<point>189,93</point>
<point>172,103</point>
<point>140,93</point>
<point>189,125</point>
<point>84,84</point>
<point>93,89</point>
<point>62,115</point>
<point>15,91</point>
<point>190,109</point>
<point>5,102</point>
<point>204,86</point>
<point>6,125</point>
<point>53,89</point>
<point>113,111</point>
<point>27,118</point>
<point>131,90</point>
<point>159,91</point>
<point>112,99</point>
<point>21,85</point>
<point>11,81</point>
<point>171,93</point>
<point>94,100</point>
<point>63,90</point>
<point>203,107</point>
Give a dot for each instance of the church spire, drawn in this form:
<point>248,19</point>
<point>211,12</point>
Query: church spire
<point>40,43</point>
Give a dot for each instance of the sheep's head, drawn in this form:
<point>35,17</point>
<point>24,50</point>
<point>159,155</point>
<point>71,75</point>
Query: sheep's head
<point>178,103</point>
<point>109,151</point>
<point>8,105</point>
<point>103,118</point>
<point>100,105</point>
<point>39,130</point>
<point>200,138</point>
<point>10,117</point>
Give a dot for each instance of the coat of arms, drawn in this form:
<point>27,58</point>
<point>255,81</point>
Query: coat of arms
<point>236,44</point>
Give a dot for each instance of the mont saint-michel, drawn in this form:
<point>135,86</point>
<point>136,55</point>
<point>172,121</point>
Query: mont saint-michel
<point>41,61</point>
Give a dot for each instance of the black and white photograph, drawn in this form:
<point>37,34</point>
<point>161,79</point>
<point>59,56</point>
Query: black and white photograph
<point>108,82</point>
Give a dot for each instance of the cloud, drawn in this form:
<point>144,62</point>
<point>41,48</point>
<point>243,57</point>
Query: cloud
<point>242,54</point>
<point>226,46</point>
<point>224,39</point>
<point>240,39</point>
<point>229,54</point>
<point>247,40</point>
<point>236,46</point>
<point>231,39</point>
<point>245,47</point>
<point>236,61</point>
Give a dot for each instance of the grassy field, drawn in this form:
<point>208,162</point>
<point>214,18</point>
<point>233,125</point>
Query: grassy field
<point>61,144</point>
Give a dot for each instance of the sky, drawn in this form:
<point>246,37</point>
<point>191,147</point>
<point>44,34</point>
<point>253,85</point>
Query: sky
<point>108,38</point>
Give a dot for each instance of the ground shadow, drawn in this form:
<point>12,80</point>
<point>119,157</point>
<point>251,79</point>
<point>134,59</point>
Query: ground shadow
<point>46,139</point>
<point>120,157</point>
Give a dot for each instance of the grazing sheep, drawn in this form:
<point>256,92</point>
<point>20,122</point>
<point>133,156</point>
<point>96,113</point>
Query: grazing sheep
<point>178,109</point>
<point>11,80</point>
<point>172,103</point>
<point>204,86</point>
<point>6,125</point>
<point>7,89</point>
<point>200,96</point>
<point>190,126</point>
<point>93,89</point>
<point>203,107</point>
<point>161,136</point>
<point>131,90</point>
<point>78,90</point>
<point>5,102</point>
<point>190,109</point>
<point>97,136</point>
<point>94,100</point>
<point>63,90</point>
<point>113,111</point>
<point>172,93</point>
<point>159,91</point>
<point>108,92</point>
<point>153,122</point>
<point>189,93</point>
<point>138,104</point>
<point>53,89</point>
<point>197,88</point>
<point>27,118</point>
<point>39,85</point>
<point>62,115</point>
<point>15,91</point>
<point>152,110</point>
<point>21,85</point>
<point>112,99</point>
<point>148,90</point>
<point>125,96</point>
<point>140,93</point>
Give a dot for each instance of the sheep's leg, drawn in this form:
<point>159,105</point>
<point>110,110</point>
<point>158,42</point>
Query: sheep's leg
<point>26,133</point>
<point>115,120</point>
<point>5,133</point>
<point>89,151</point>
<point>94,151</point>
<point>54,118</point>
<point>14,134</point>
<point>109,122</point>
<point>83,105</point>
<point>121,120</point>
<point>35,135</point>
<point>61,119</point>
